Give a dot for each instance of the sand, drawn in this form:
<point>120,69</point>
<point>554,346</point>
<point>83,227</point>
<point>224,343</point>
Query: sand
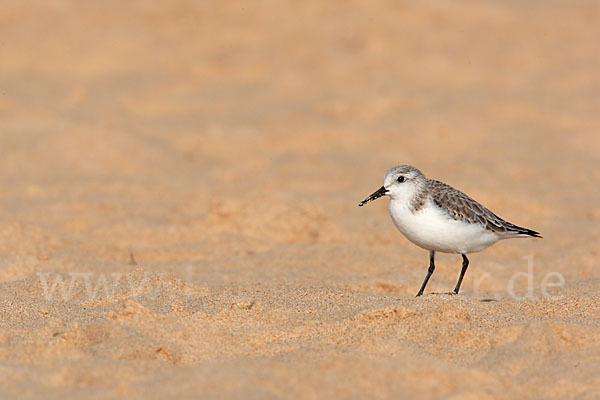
<point>179,188</point>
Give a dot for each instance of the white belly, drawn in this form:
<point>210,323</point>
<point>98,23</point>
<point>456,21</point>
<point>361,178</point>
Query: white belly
<point>432,229</point>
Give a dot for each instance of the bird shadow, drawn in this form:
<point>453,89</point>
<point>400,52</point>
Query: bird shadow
<point>487,300</point>
<point>444,293</point>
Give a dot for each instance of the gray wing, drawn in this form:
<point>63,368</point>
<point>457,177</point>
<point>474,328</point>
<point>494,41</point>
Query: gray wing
<point>463,208</point>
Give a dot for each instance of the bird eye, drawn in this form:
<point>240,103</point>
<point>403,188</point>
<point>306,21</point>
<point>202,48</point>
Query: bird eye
<point>400,179</point>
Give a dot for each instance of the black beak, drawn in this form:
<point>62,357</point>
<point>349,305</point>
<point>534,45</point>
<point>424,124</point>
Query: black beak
<point>380,192</point>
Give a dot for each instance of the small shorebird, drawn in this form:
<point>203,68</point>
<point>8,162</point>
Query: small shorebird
<point>437,217</point>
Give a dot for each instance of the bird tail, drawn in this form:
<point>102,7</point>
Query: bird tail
<point>519,231</point>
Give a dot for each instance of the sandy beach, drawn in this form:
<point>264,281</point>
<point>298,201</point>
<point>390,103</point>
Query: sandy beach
<point>179,187</point>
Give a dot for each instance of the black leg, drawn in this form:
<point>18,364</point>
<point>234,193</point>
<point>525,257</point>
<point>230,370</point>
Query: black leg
<point>465,264</point>
<point>429,272</point>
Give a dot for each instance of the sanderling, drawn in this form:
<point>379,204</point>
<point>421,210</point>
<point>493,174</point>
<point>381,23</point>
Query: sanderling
<point>437,217</point>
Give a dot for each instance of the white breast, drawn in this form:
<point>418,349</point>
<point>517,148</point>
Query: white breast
<point>432,229</point>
